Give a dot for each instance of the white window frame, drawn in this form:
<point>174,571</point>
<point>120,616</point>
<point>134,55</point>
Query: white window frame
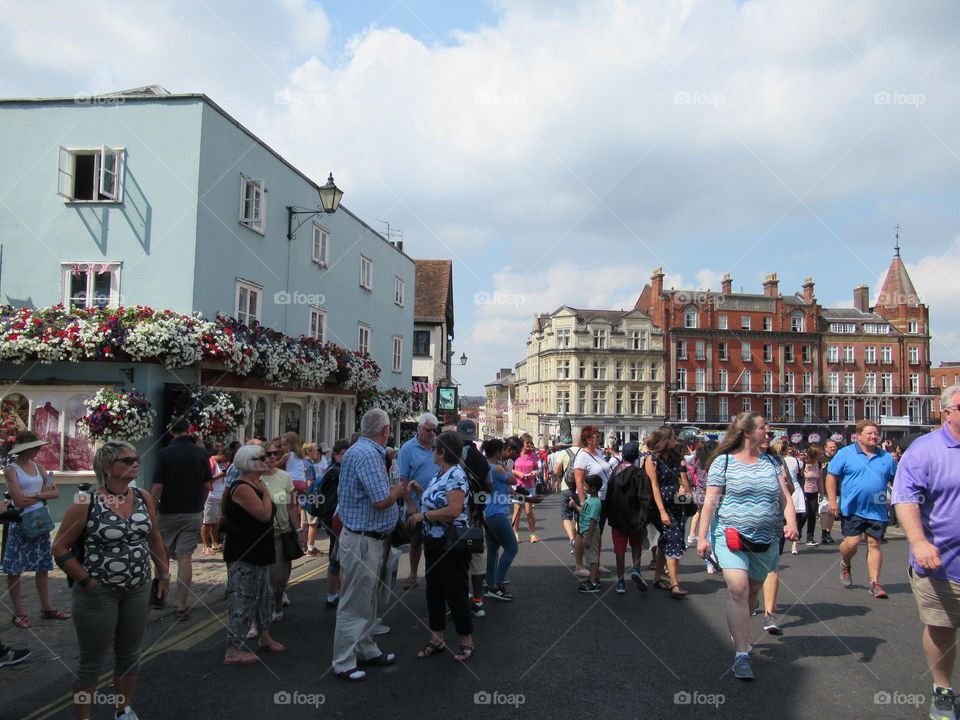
<point>767,323</point>
<point>746,380</point>
<point>833,353</point>
<point>108,183</point>
<point>563,337</point>
<point>690,317</point>
<point>886,354</point>
<point>833,382</point>
<point>318,324</point>
<point>886,382</point>
<point>870,354</point>
<point>681,378</point>
<point>563,369</point>
<point>746,353</point>
<point>256,217</point>
<point>723,351</point>
<point>251,288</point>
<point>913,327</point>
<point>599,339</point>
<point>682,408</point>
<point>797,322</point>
<point>849,355</point>
<point>788,355</point>
<point>849,383</point>
<point>398,290</point>
<point>320,246</point>
<point>700,350</point>
<point>768,352</point>
<point>914,380</point>
<point>66,275</point>
<point>366,273</point>
<point>790,382</point>
<point>744,322</point>
<point>870,383</point>
<point>722,322</point>
<point>808,382</point>
<point>913,355</point>
<point>397,365</point>
<point>849,410</point>
<point>723,380</point>
<point>723,409</point>
<point>700,408</point>
<point>700,379</point>
<point>681,349</point>
<point>364,335</point>
<point>833,410</point>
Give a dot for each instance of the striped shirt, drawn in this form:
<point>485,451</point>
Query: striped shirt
<point>363,482</point>
<point>751,497</point>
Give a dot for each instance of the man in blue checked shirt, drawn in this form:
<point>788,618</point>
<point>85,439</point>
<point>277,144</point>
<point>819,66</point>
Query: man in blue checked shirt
<point>368,510</point>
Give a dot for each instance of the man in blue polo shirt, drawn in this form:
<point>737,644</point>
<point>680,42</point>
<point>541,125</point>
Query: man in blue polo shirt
<point>863,471</point>
<point>415,462</point>
<point>927,495</point>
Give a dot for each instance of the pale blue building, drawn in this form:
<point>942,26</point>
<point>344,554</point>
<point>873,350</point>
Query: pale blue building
<point>165,200</point>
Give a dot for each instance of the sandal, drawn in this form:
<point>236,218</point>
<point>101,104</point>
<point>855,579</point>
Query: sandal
<point>274,647</point>
<point>181,615</point>
<point>54,614</point>
<point>430,649</point>
<point>410,583</point>
<point>22,621</point>
<point>351,675</point>
<point>662,584</point>
<point>677,592</point>
<point>241,659</point>
<point>464,653</point>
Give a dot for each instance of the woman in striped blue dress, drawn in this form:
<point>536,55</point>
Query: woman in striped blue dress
<point>745,505</point>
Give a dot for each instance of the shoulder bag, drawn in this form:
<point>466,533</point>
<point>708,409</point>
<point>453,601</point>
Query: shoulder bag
<point>290,545</point>
<point>34,525</point>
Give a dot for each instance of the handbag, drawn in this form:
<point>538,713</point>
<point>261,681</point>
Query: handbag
<point>464,539</point>
<point>688,508</point>
<point>290,545</point>
<point>400,535</point>
<point>37,523</point>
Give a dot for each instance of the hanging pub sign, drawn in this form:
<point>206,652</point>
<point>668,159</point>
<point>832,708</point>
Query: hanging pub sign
<point>447,398</point>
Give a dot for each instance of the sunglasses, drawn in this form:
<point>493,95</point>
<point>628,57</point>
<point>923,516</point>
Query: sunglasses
<point>271,453</point>
<point>129,460</point>
<point>260,458</point>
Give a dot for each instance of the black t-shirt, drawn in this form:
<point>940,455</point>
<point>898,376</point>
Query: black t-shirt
<point>184,470</point>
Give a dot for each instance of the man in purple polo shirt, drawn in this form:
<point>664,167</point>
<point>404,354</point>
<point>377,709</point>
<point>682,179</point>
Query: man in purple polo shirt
<point>863,471</point>
<point>927,495</point>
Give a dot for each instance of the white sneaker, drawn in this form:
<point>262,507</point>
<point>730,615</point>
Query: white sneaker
<point>286,600</point>
<point>692,540</point>
<point>252,633</point>
<point>381,629</point>
<point>128,714</point>
<point>582,573</point>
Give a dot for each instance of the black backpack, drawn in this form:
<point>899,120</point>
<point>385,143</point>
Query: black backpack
<point>323,495</point>
<point>631,513</point>
<point>478,476</point>
<point>568,473</point>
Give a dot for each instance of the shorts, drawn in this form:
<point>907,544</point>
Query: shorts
<point>211,511</point>
<point>478,563</point>
<point>591,552</point>
<point>180,532</point>
<point>566,512</point>
<point>757,565</point>
<point>937,600</point>
<point>416,536</point>
<point>620,541</point>
<point>307,519</point>
<point>855,526</point>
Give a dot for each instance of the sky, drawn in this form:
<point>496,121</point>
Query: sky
<point>558,151</point>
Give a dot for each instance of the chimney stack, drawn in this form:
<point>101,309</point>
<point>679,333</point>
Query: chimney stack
<point>400,245</point>
<point>771,286</point>
<point>861,298</point>
<point>808,291</point>
<point>726,285</point>
<point>657,281</point>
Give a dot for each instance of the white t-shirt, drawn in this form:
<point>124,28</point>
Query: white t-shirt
<point>594,465</point>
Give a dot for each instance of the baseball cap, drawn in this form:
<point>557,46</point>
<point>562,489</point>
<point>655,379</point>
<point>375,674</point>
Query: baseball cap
<point>467,430</point>
<point>630,451</point>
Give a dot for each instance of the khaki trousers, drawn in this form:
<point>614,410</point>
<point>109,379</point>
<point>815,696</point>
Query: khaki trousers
<point>361,561</point>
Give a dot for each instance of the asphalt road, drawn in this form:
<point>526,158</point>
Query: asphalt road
<point>556,653</point>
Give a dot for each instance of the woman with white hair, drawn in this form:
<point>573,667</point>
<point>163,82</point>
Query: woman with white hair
<point>249,552</point>
<point>104,546</point>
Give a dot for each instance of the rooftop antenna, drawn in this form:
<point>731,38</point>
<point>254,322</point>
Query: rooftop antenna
<point>390,234</point>
<point>896,247</point>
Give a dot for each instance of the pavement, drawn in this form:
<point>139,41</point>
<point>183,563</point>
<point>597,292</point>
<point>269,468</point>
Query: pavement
<point>553,651</point>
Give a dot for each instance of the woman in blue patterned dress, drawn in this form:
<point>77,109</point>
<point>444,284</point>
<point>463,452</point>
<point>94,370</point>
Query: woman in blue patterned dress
<point>443,507</point>
<point>744,509</point>
<point>668,477</point>
<point>28,487</point>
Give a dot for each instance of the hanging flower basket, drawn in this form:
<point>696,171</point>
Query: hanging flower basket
<point>813,438</point>
<point>216,415</point>
<point>117,415</point>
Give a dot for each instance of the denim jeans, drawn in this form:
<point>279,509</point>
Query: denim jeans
<point>499,535</point>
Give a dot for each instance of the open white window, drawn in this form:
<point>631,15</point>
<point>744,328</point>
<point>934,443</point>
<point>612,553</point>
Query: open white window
<point>253,204</point>
<point>397,365</point>
<point>363,338</point>
<point>248,302</point>
<point>318,324</point>
<point>321,246</point>
<point>398,291</point>
<point>90,174</point>
<point>366,273</point>
<point>89,285</point>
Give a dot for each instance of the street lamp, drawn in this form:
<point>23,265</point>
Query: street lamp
<point>330,196</point>
<point>463,359</point>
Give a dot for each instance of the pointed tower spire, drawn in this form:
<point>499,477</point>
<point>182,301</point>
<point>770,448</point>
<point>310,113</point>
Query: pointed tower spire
<point>897,288</point>
<point>896,248</point>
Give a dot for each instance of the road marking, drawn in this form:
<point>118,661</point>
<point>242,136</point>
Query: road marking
<point>183,641</point>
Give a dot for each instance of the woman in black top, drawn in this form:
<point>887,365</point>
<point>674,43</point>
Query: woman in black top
<point>671,489</point>
<point>248,552</point>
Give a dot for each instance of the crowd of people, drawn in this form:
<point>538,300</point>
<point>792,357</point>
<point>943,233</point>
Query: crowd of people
<point>457,507</point>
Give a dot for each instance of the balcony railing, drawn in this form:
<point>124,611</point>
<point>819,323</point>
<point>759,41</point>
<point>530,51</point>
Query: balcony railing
<point>798,389</point>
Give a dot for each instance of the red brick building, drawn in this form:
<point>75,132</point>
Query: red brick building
<point>942,377</point>
<point>807,368</point>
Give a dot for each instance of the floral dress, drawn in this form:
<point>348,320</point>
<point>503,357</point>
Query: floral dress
<point>671,542</point>
<point>20,553</point>
<point>435,497</point>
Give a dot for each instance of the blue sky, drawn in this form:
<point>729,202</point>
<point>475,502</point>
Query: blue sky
<point>558,152</point>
